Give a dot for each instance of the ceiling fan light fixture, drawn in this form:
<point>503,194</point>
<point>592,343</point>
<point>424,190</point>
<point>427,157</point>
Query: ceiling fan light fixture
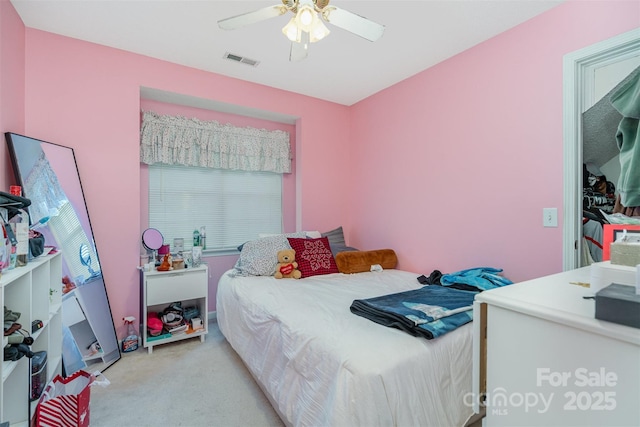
<point>308,22</point>
<point>319,31</point>
<point>306,17</point>
<point>292,31</point>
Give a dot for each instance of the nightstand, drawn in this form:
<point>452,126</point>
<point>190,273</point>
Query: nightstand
<point>159,289</point>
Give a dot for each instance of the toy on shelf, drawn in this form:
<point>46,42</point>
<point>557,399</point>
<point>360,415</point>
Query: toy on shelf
<point>166,264</point>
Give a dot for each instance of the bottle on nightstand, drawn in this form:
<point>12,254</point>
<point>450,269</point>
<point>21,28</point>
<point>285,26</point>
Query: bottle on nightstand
<point>203,238</point>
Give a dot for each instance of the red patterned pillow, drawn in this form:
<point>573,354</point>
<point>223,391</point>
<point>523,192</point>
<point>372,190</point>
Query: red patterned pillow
<point>313,256</point>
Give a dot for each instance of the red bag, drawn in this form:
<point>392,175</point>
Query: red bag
<point>65,402</point>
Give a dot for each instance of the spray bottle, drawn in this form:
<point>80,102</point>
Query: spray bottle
<point>196,237</point>
<point>130,343</point>
<point>203,237</point>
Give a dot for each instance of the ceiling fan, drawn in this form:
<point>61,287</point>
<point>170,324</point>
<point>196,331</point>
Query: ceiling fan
<point>307,24</point>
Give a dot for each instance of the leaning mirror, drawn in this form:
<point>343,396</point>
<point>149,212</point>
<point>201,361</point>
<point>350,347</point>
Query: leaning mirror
<point>49,177</point>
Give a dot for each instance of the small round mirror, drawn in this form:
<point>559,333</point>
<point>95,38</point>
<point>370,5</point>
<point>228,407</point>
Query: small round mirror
<point>152,239</point>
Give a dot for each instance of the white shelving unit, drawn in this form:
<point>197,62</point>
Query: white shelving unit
<point>27,290</point>
<point>159,289</point>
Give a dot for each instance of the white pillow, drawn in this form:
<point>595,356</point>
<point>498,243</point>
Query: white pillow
<point>260,257</point>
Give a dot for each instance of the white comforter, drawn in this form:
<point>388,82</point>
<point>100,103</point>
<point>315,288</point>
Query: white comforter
<point>321,365</point>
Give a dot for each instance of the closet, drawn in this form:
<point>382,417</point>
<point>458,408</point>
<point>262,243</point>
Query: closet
<point>582,74</point>
<point>601,167</point>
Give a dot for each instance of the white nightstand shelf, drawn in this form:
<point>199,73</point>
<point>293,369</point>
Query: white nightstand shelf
<point>159,289</point>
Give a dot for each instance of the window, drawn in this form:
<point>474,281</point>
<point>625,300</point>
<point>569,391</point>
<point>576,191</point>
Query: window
<point>234,206</point>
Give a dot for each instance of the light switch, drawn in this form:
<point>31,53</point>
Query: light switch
<point>550,217</point>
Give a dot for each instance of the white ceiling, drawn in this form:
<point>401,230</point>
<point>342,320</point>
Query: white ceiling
<point>342,68</point>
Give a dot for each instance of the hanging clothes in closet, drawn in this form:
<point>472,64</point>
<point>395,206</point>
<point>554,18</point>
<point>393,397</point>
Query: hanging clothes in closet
<point>626,100</point>
<point>598,196</point>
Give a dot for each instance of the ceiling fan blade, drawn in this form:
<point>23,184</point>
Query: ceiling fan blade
<point>249,18</point>
<point>353,23</point>
<point>300,51</point>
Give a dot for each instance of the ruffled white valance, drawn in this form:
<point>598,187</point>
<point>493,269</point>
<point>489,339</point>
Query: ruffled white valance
<point>177,140</point>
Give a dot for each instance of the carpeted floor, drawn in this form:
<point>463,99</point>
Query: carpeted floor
<point>186,383</point>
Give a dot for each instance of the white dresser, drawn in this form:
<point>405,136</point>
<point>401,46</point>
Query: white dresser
<point>190,286</point>
<point>542,359</point>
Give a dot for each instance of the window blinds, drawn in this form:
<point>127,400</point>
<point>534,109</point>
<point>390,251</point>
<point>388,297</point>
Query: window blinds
<point>233,206</point>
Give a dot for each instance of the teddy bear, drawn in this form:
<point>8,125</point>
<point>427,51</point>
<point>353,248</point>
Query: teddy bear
<point>166,264</point>
<point>287,265</point>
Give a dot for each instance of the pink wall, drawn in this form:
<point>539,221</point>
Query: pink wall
<point>12,52</point>
<point>219,264</point>
<point>87,97</point>
<point>469,152</point>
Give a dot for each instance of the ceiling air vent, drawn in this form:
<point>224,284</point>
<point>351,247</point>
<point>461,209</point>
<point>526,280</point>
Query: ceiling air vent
<point>241,59</point>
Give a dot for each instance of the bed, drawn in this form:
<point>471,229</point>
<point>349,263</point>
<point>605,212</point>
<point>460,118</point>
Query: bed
<point>321,365</point>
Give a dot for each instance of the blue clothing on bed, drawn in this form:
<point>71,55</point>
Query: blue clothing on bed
<point>483,278</point>
<point>428,312</point>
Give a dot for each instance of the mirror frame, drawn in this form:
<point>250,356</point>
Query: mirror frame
<point>92,294</point>
<point>578,70</point>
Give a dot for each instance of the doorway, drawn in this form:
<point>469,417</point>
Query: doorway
<point>580,71</point>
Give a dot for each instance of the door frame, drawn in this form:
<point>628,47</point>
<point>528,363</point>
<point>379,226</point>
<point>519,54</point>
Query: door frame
<point>578,92</point>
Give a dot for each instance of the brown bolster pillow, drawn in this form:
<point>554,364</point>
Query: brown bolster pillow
<point>361,261</point>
